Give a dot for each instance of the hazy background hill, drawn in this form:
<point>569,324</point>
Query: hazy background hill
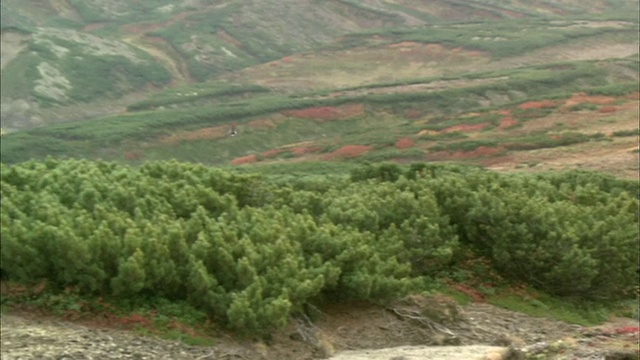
<point>169,79</point>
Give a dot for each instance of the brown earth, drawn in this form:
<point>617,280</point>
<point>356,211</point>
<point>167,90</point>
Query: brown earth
<point>405,143</point>
<point>581,98</point>
<point>245,160</point>
<point>271,153</point>
<point>416,327</point>
<point>508,122</point>
<point>544,104</point>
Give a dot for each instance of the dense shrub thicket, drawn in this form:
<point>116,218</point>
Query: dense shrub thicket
<point>252,250</point>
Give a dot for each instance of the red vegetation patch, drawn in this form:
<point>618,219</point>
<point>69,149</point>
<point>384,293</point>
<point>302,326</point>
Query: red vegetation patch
<point>299,151</point>
<point>508,122</point>
<point>580,98</point>
<point>625,330</point>
<point>504,112</point>
<point>287,59</point>
<point>245,160</point>
<point>349,152</point>
<point>272,153</point>
<point>466,127</point>
<point>405,143</point>
<point>328,112</point>
<point>544,104</point>
<point>608,109</point>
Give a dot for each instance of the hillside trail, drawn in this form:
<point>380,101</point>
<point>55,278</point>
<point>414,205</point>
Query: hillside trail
<point>344,332</point>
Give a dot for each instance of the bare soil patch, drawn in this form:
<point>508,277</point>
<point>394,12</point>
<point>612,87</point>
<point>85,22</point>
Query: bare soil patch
<point>544,104</point>
<point>249,159</point>
<point>415,327</point>
<point>582,98</point>
<point>405,143</point>
<point>508,122</point>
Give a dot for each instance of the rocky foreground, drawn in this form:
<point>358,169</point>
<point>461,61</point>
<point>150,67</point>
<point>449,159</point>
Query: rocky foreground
<point>479,332</point>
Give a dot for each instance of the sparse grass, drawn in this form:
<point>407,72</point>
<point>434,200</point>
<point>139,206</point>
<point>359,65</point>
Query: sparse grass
<point>194,93</point>
<point>633,132</point>
<point>542,305</point>
<point>502,39</point>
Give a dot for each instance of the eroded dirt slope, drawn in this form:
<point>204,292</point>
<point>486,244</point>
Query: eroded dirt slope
<point>346,332</point>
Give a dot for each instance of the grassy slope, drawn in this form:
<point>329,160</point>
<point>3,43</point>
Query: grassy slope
<point>439,73</point>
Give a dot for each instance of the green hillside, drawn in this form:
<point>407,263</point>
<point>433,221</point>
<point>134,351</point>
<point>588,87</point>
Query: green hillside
<point>154,80</point>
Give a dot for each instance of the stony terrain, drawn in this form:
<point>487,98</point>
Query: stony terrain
<point>349,332</point>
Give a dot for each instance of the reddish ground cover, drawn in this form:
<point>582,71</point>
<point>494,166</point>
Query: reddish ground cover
<point>271,153</point>
<point>299,151</point>
<point>608,109</point>
<point>245,160</point>
<point>326,113</point>
<point>466,127</point>
<point>544,104</point>
<point>504,112</point>
<point>580,98</point>
<point>508,122</point>
<point>405,143</point>
<point>348,152</point>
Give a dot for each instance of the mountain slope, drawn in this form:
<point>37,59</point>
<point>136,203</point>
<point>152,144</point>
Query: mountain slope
<point>173,79</point>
